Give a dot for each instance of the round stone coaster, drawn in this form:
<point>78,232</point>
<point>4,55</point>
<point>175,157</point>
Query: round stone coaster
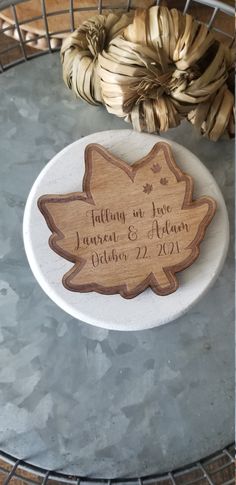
<point>64,174</point>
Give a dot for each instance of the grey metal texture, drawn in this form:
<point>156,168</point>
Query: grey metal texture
<point>7,3</point>
<point>223,7</point>
<point>214,470</point>
<point>21,44</point>
<point>82,400</point>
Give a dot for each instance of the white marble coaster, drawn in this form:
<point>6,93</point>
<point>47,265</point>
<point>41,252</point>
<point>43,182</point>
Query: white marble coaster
<point>63,174</point>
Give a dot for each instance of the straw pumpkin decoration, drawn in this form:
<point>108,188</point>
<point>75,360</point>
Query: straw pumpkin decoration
<point>154,69</point>
<point>79,54</point>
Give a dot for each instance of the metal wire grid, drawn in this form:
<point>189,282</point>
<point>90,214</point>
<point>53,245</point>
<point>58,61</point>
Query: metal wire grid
<point>22,44</point>
<point>217,469</point>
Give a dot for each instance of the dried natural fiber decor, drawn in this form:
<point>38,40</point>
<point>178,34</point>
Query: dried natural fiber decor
<point>154,68</point>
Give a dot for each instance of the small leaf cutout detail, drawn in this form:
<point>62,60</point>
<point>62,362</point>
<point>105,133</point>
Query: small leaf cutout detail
<point>156,168</point>
<point>147,188</point>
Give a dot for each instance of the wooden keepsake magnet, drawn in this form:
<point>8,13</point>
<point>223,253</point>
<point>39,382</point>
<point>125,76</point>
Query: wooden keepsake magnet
<point>132,227</point>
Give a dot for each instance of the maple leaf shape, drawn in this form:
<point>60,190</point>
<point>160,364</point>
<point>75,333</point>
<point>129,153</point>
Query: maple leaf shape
<point>147,188</point>
<point>119,240</point>
<point>156,168</point>
<point>163,181</point>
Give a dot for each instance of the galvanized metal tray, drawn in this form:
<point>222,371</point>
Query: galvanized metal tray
<point>91,402</point>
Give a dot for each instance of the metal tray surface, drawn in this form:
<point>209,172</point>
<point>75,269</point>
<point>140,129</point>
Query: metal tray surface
<point>80,399</point>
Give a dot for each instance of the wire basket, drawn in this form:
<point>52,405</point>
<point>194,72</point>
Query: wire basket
<point>24,37</point>
<point>214,470</point>
<point>30,36</point>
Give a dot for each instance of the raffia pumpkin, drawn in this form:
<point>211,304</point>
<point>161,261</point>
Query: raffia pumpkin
<point>154,70</point>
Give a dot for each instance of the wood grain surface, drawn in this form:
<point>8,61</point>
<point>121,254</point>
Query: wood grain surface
<point>131,228</point>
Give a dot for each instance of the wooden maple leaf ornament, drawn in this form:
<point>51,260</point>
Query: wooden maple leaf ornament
<point>121,236</point>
